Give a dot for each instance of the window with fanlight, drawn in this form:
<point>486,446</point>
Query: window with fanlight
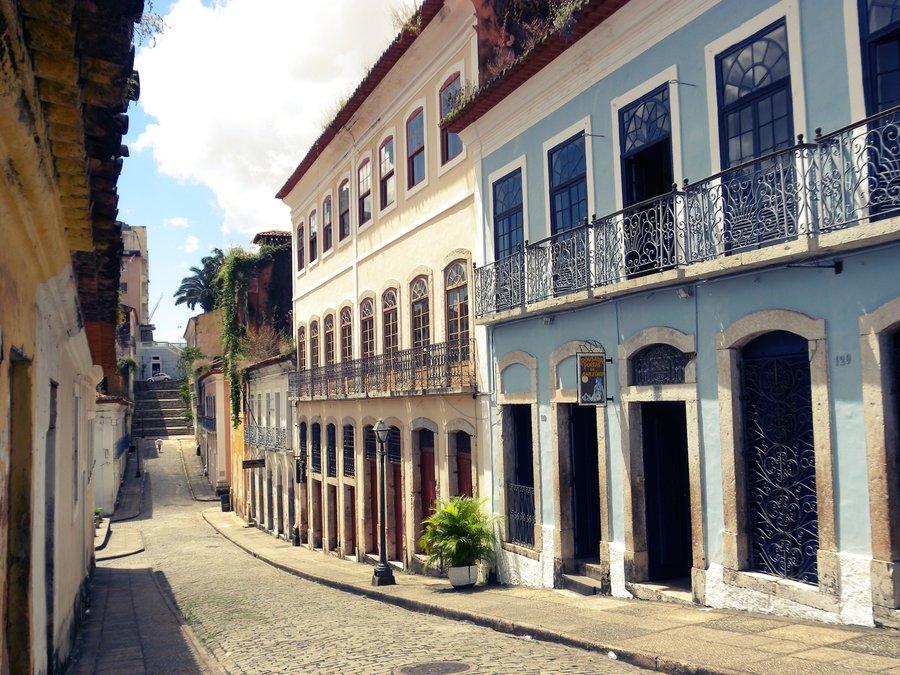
<point>301,348</point>
<point>314,344</point>
<point>420,312</point>
<point>329,339</point>
<point>346,334</point>
<point>389,319</point>
<point>457,290</point>
<point>367,327</point>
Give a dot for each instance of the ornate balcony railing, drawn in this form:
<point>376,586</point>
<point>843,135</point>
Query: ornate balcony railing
<point>208,423</point>
<point>435,367</point>
<point>273,438</point>
<point>520,514</point>
<point>250,434</point>
<point>837,181</point>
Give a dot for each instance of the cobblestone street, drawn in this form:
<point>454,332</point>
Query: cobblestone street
<point>253,618</point>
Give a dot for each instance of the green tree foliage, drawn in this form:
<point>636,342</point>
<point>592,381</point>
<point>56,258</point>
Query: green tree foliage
<point>200,287</point>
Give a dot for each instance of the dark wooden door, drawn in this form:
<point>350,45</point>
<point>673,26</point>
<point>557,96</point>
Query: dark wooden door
<point>464,473</point>
<point>372,488</point>
<point>426,475</point>
<point>332,517</point>
<point>396,476</point>
<point>667,490</point>
<point>585,481</point>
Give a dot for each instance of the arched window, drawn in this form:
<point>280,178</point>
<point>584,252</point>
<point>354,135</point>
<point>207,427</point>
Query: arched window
<point>314,344</point>
<point>301,348</point>
<point>329,339</point>
<point>421,319</point>
<point>387,181</point>
<point>313,236</point>
<point>326,224</point>
<point>364,185</point>
<point>415,148</point>
<point>451,145</point>
<point>344,210</point>
<point>367,327</point>
<point>301,252</point>
<point>658,364</point>
<point>457,289</point>
<point>389,320</point>
<point>346,334</point>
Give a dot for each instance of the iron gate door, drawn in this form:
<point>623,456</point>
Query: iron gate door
<point>783,522</point>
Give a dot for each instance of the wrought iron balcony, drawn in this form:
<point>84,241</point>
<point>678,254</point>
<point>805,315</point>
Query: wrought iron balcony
<point>434,368</point>
<point>208,423</point>
<point>840,180</point>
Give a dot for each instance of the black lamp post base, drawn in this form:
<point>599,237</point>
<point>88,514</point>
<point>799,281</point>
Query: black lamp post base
<point>383,577</point>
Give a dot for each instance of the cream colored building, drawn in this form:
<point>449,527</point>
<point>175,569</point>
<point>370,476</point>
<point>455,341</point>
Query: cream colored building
<point>134,283</point>
<point>384,224</point>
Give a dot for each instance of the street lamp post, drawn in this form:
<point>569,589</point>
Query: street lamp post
<point>383,575</point>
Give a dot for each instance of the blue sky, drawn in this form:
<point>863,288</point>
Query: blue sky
<point>232,95</point>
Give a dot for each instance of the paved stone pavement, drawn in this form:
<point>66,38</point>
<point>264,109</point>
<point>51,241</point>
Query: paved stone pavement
<point>253,618</point>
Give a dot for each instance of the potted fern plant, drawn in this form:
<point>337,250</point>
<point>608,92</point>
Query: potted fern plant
<point>459,534</point>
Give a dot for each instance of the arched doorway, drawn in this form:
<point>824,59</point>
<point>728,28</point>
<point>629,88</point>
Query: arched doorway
<point>782,506</point>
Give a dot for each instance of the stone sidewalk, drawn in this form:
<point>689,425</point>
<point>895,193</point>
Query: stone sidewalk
<point>132,627</point>
<point>661,636</point>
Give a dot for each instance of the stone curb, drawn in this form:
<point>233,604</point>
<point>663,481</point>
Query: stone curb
<point>518,628</point>
<point>122,519</point>
<point>108,530</point>
<point>190,485</point>
<point>124,554</point>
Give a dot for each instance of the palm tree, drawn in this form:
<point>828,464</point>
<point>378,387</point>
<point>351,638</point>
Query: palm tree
<point>199,287</point>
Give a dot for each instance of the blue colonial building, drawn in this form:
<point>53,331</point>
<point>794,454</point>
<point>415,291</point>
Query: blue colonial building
<point>706,195</point>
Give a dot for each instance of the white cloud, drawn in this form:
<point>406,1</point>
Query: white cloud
<point>239,90</point>
<point>177,221</point>
<point>191,244</point>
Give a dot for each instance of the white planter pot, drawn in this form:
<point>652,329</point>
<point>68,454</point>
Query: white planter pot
<point>463,577</point>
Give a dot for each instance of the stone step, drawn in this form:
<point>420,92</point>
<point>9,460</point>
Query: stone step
<point>159,414</point>
<point>581,584</point>
<point>589,569</point>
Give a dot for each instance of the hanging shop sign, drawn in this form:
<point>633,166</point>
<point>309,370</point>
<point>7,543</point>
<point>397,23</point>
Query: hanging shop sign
<point>591,368</point>
<point>254,463</point>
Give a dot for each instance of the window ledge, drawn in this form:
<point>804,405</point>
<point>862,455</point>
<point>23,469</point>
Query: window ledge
<point>409,192</point>
<point>796,591</point>
<point>453,163</point>
<point>521,550</point>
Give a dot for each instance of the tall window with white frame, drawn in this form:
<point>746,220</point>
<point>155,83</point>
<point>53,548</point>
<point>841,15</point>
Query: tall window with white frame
<point>568,184</point>
<point>880,31</point>
<point>389,322</point>
<point>419,311</point>
<point>457,304</point>
<point>415,148</point>
<point>301,252</point>
<point>509,231</point>
<point>451,144</point>
<point>313,238</point>
<point>344,210</point>
<point>346,334</point>
<point>326,225</point>
<point>755,119</point>
<point>364,185</point>
<point>329,339</point>
<point>367,327</point>
<point>314,344</point>
<point>646,154</point>
<point>387,192</point>
<point>301,348</point>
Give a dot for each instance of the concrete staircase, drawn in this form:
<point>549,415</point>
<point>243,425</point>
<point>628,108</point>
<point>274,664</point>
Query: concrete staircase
<point>159,410</point>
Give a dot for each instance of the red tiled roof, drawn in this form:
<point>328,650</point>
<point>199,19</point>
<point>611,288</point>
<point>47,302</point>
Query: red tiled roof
<point>382,67</point>
<point>584,20</point>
